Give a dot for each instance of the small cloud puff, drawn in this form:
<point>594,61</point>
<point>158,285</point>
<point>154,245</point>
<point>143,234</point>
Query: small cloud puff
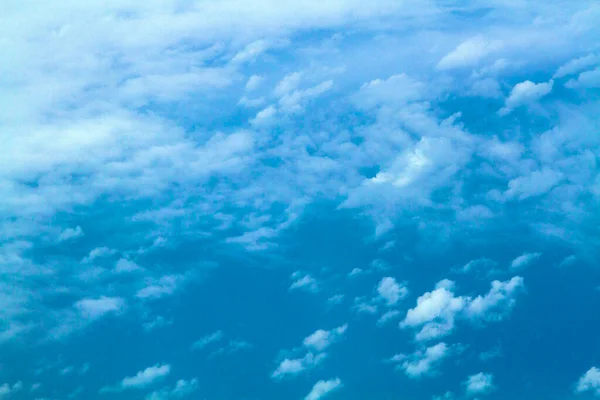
<point>478,384</point>
<point>589,382</point>
<point>422,362</point>
<point>524,260</point>
<point>322,388</point>
<point>525,93</point>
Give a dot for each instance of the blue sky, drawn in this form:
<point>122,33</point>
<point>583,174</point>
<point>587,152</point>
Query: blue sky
<point>265,200</point>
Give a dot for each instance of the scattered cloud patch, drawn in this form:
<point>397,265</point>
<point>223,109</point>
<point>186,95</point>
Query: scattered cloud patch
<point>424,362</point>
<point>70,234</point>
<point>96,308</point>
<point>469,53</point>
<point>208,339</point>
<point>146,377</point>
<point>322,388</point>
<point>525,93</point>
<point>524,260</point>
<point>479,384</point>
<point>304,282</point>
<point>391,291</point>
<point>321,339</point>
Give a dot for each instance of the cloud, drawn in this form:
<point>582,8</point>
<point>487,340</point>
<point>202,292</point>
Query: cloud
<point>533,184</point>
<point>388,316</point>
<point>7,390</point>
<point>125,266</point>
<point>321,339</point>
<point>96,308</point>
<point>164,286</point>
<point>497,302</point>
<point>208,339</point>
<point>526,93</point>
<point>589,382</point>
<point>251,51</point>
<point>253,83</point>
<point>478,265</point>
<point>355,272</point>
<point>478,384</point>
<point>576,65</point>
<point>390,291</point>
<point>524,260</point>
<point>158,322</point>
<point>586,80</point>
<point>146,377</point>
<point>322,388</point>
<point>424,362</point>
<point>304,282</point>
<point>435,312</point>
<point>70,234</point>
<point>469,53</point>
<point>98,252</point>
<point>292,367</point>
<point>181,389</point>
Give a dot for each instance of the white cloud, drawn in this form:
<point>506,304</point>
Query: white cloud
<point>264,116</point>
<point>534,184</point>
<point>98,252</point>
<point>181,389</point>
<point>435,312</point>
<point>391,291</point>
<point>158,322</point>
<point>96,308</point>
<point>7,390</point>
<point>322,388</point>
<point>321,339</point>
<point>254,82</point>
<point>524,260</point>
<point>478,384</point>
<point>424,362</point>
<point>292,367</point>
<point>208,339</point>
<point>388,316</point>
<point>526,93</point>
<point>124,266</point>
<point>304,282</point>
<point>576,65</point>
<point>146,377</point>
<point>469,53</point>
<point>478,265</point>
<point>251,51</point>
<point>164,286</point>
<point>498,301</point>
<point>355,272</point>
<point>586,80</point>
<point>70,234</point>
<point>589,382</point>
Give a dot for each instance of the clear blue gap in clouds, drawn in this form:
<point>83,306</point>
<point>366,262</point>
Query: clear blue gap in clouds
<point>266,200</point>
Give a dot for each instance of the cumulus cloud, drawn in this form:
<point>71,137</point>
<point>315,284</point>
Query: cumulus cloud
<point>391,291</point>
<point>524,260</point>
<point>146,377</point>
<point>525,93</point>
<point>479,384</point>
<point>533,184</point>
<point>208,339</point>
<point>469,53</point>
<point>125,266</point>
<point>321,339</point>
<point>164,286</point>
<point>577,65</point>
<point>586,80</point>
<point>388,316</point>
<point>436,312</point>
<point>322,388</point>
<point>589,382</point>
<point>181,389</point>
<point>96,308</point>
<point>292,367</point>
<point>98,252</point>
<point>70,234</point>
<point>423,362</point>
<point>304,282</point>
<point>7,390</point>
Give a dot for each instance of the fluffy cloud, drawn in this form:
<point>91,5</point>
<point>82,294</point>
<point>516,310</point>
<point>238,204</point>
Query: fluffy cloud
<point>7,390</point>
<point>146,377</point>
<point>469,53</point>
<point>181,389</point>
<point>524,260</point>
<point>526,93</point>
<point>589,382</point>
<point>435,313</point>
<point>390,291</point>
<point>292,367</point>
<point>576,65</point>
<point>164,286</point>
<point>96,308</point>
<point>479,384</point>
<point>423,362</point>
<point>304,282</point>
<point>322,388</point>
<point>208,339</point>
<point>70,234</point>
<point>586,80</point>
<point>321,339</point>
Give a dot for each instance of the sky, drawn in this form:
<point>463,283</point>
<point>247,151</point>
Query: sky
<point>266,200</point>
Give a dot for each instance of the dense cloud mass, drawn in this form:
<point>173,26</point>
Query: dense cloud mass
<point>282,199</point>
